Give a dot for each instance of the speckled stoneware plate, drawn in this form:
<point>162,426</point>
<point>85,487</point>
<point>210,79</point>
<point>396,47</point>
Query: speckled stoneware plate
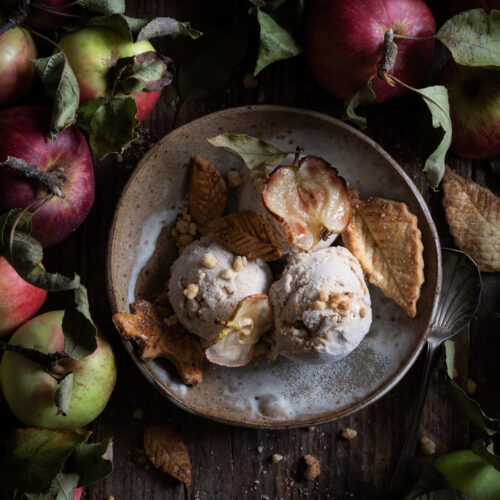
<point>282,393</point>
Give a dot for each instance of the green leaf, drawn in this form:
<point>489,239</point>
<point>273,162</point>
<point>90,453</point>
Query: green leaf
<point>32,458</point>
<point>127,27</point>
<point>473,37</point>
<point>92,462</point>
<point>436,98</point>
<point>209,68</point>
<point>364,94</point>
<point>61,85</point>
<point>110,123</point>
<point>470,406</point>
<point>275,43</point>
<point>252,151</point>
<point>64,392</point>
<point>479,447</point>
<point>62,487</point>
<point>80,333</point>
<point>167,26</point>
<point>104,6</point>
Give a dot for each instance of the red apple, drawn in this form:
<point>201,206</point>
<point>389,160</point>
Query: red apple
<point>19,301</point>
<point>343,42</point>
<point>92,52</point>
<point>474,95</point>
<point>17,49</point>
<point>24,134</point>
<point>44,14</point>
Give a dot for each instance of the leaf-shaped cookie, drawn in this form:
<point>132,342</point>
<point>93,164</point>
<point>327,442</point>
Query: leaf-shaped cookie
<point>207,191</point>
<point>167,451</point>
<point>246,233</point>
<point>473,214</point>
<point>384,236</point>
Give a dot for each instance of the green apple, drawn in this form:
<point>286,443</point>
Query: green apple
<point>91,52</point>
<point>29,390</point>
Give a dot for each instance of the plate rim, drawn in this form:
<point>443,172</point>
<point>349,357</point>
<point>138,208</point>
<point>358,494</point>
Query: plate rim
<point>273,425</point>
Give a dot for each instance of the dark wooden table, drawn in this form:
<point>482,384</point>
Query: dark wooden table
<point>225,460</point>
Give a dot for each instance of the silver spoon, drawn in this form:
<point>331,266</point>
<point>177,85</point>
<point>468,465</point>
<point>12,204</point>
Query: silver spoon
<point>460,293</point>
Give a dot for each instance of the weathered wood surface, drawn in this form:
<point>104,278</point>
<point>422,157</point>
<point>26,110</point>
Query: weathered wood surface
<point>225,460</point>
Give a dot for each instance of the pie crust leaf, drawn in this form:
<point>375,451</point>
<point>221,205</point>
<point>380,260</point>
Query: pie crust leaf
<point>207,191</point>
<point>246,234</point>
<point>167,451</point>
<point>473,214</point>
<point>384,236</point>
<point>157,340</point>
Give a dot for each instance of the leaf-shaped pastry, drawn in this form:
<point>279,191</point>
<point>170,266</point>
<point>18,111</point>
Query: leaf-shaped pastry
<point>246,233</point>
<point>167,451</point>
<point>207,191</point>
<point>384,236</point>
<point>473,214</point>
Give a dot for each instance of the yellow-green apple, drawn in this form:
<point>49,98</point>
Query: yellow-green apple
<point>24,134</point>
<point>29,390</point>
<point>92,52</point>
<point>17,49</point>
<point>474,95</point>
<point>343,41</point>
<point>19,301</point>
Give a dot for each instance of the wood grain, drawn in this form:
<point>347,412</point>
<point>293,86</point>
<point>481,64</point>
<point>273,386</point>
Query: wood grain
<point>226,461</point>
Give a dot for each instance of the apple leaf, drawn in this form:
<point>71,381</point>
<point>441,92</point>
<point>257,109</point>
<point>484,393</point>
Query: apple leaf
<point>61,85</point>
<point>32,458</point>
<point>167,26</point>
<point>479,447</point>
<point>276,43</point>
<point>470,406</point>
<point>110,123</point>
<point>473,37</point>
<point>254,152</point>
<point>210,66</point>
<point>146,71</point>
<point>127,27</point>
<point>92,462</point>
<point>62,487</point>
<point>364,94</point>
<point>63,394</point>
<point>104,6</point>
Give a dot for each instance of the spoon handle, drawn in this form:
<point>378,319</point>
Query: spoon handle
<point>411,438</point>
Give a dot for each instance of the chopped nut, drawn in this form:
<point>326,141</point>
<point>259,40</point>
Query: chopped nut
<point>208,260</point>
<point>470,386</point>
<point>234,179</point>
<point>343,305</point>
<point>185,239</point>
<point>427,446</point>
<point>363,312</point>
<point>139,414</point>
<point>317,305</point>
<point>182,226</point>
<point>323,296</point>
<point>227,274</point>
<point>193,227</point>
<point>239,263</point>
<point>276,458</point>
<point>191,291</point>
<point>349,433</point>
<point>250,82</point>
<point>171,320</point>
<point>202,274</point>
<point>312,467</point>
<point>185,216</point>
<point>260,449</point>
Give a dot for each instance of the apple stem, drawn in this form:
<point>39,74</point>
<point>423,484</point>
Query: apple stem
<point>298,152</point>
<point>388,59</point>
<point>16,16</point>
<point>56,11</point>
<point>46,361</point>
<point>424,38</point>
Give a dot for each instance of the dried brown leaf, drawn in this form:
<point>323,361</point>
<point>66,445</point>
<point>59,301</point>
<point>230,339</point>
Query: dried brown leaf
<point>246,233</point>
<point>207,191</point>
<point>473,214</point>
<point>166,451</point>
<point>384,236</point>
<point>157,340</point>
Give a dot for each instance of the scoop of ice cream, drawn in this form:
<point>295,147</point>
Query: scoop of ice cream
<point>251,200</point>
<point>321,306</point>
<point>207,282</point>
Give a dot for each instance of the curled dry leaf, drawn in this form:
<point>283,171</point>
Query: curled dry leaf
<point>246,233</point>
<point>157,340</point>
<point>309,199</point>
<point>473,214</point>
<point>235,346</point>
<point>384,236</point>
<point>207,191</point>
<point>167,451</point>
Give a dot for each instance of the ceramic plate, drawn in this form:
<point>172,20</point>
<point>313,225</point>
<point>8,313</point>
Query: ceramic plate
<point>282,393</point>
